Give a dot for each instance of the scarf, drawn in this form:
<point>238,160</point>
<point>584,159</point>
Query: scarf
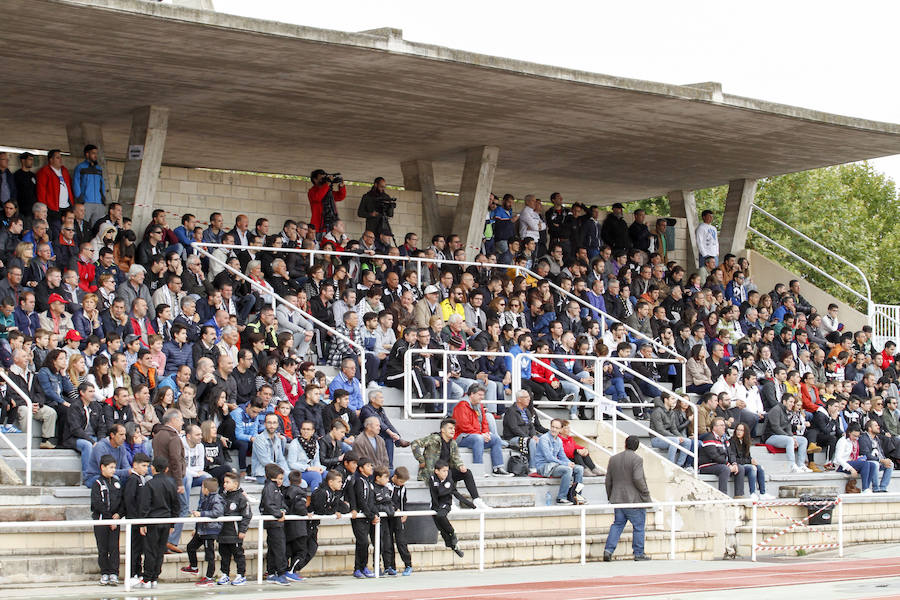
<point>292,380</point>
<point>309,446</point>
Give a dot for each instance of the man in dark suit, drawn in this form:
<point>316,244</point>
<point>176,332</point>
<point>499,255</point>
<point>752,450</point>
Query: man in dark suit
<point>871,449</point>
<point>626,484</point>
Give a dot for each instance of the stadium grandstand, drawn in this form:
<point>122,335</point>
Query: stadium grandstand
<point>228,264</point>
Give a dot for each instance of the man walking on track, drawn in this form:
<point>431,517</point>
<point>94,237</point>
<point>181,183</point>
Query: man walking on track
<point>625,484</point>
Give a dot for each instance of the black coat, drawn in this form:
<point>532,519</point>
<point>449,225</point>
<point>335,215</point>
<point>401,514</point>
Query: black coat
<point>235,505</point>
<point>271,502</point>
<point>106,498</point>
<point>77,421</point>
<point>159,498</point>
<point>295,504</point>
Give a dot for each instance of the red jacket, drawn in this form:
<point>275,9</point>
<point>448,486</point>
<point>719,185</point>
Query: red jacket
<point>467,419</point>
<point>86,273</point>
<point>540,372</point>
<point>809,396</point>
<point>316,194</point>
<point>286,386</point>
<point>569,446</point>
<point>136,328</point>
<point>887,359</point>
<point>48,187</point>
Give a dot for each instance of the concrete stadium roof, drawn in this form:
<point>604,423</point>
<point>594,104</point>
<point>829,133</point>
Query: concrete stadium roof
<point>266,96</point>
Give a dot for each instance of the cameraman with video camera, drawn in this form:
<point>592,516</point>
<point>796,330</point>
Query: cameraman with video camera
<point>376,207</point>
<point>327,189</point>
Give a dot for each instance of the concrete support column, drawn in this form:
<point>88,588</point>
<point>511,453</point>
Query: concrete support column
<point>82,134</point>
<point>733,236</point>
<point>143,159</point>
<point>682,205</point>
<point>474,193</point>
<point>418,176</point>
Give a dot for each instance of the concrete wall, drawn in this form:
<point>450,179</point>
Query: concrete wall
<point>766,273</point>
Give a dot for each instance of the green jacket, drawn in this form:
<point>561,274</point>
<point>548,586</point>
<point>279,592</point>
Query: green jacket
<point>428,450</point>
<point>891,423</point>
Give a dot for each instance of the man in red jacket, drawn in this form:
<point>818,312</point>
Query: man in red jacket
<point>54,186</point>
<point>322,198</point>
<point>473,431</point>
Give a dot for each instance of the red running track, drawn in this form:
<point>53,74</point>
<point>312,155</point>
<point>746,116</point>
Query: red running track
<point>666,583</point>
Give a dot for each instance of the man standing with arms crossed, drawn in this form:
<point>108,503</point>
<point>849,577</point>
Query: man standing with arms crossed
<point>626,484</point>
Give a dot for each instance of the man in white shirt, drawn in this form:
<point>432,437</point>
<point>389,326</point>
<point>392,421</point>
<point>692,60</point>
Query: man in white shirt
<point>707,238</point>
<point>531,223</point>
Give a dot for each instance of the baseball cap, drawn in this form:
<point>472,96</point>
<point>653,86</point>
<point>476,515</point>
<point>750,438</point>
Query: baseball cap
<point>72,334</point>
<point>432,289</point>
<point>130,339</point>
<point>55,298</point>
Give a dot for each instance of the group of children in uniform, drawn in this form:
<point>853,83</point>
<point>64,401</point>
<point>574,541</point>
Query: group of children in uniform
<point>355,487</point>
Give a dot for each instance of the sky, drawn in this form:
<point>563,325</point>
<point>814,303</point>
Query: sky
<point>836,57</point>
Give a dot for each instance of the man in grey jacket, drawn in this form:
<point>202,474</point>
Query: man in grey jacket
<point>663,422</point>
<point>626,484</point>
<point>293,321</point>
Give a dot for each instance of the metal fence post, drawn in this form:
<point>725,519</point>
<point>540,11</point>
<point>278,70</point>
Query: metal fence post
<point>375,561</point>
<point>259,552</point>
<point>840,516</point>
<point>481,541</point>
<point>583,535</point>
<point>672,539</point>
<point>128,534</point>
<point>753,533</point>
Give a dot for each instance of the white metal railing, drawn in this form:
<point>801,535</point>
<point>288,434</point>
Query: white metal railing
<point>419,260</point>
<point>883,318</point>
<point>582,510</point>
<point>305,315</point>
<point>29,423</point>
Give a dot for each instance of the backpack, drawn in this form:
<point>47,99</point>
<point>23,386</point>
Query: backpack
<point>517,465</point>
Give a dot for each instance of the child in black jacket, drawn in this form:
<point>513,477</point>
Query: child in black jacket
<point>295,532</point>
<point>383,504</point>
<point>134,487</point>
<point>362,504</point>
<point>326,500</point>
<point>442,491</point>
<point>106,504</point>
<point>212,505</point>
<point>159,499</point>
<point>396,526</point>
<point>231,538</point>
<point>271,502</point>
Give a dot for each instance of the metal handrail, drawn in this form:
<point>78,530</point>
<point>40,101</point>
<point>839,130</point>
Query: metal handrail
<point>465,263</point>
<point>28,427</point>
<point>305,315</point>
<point>754,207</point>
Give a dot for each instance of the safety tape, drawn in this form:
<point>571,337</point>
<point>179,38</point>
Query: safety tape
<point>801,523</point>
<point>799,547</point>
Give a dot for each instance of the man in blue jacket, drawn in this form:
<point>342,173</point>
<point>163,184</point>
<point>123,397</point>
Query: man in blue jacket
<point>247,426</point>
<point>550,461</point>
<point>88,184</point>
<point>114,445</point>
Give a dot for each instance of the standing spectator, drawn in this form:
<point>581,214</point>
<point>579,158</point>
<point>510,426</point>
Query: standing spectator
<point>639,232</point>
<point>707,238</point>
<point>614,232</point>
<point>322,195</point>
<point>158,500</point>
<point>7,181</point>
<point>212,506</point>
<point>26,184</point>
<point>106,504</point>
<point>531,223</point>
<point>551,461</point>
<point>88,184</point>
<point>626,484</point>
<point>54,186</point>
<point>167,445</point>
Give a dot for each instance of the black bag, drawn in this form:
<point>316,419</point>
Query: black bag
<point>517,465</point>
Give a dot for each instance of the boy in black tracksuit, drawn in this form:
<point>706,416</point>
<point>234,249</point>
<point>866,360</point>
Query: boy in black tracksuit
<point>326,500</point>
<point>212,505</point>
<point>231,538</point>
<point>295,532</point>
<point>134,487</point>
<point>362,500</point>
<point>442,491</point>
<point>396,526</point>
<point>158,500</point>
<point>383,504</point>
<point>106,504</point>
<point>347,469</point>
<point>271,502</point>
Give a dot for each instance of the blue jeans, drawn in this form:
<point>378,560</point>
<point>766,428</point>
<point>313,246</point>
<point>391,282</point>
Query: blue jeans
<point>532,448</point>
<point>867,469</point>
<point>616,389</point>
<point>885,477</point>
<point>565,473</point>
<point>787,442</point>
<point>755,477</point>
<point>476,442</point>
<point>84,448</point>
<point>313,479</point>
<point>637,516</point>
<point>683,458</point>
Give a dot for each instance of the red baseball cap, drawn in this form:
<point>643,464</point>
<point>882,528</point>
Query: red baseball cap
<point>72,334</point>
<point>55,298</point>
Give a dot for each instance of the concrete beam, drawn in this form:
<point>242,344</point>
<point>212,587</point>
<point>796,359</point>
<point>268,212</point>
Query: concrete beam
<point>474,193</point>
<point>140,178</point>
<point>733,236</point>
<point>197,4</point>
<point>683,205</point>
<point>82,134</point>
<point>418,176</point>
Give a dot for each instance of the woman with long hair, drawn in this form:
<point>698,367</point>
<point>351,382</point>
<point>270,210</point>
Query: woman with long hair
<point>163,400</point>
<point>76,373</point>
<point>216,463</point>
<point>125,249</point>
<point>101,380</point>
<point>515,313</point>
<point>741,443</point>
<point>698,374</point>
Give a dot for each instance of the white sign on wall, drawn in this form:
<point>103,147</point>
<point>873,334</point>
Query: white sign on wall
<point>136,152</point>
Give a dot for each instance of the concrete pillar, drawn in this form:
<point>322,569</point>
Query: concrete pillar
<point>418,176</point>
<point>733,236</point>
<point>474,193</point>
<point>142,161</point>
<point>683,205</point>
<point>82,134</point>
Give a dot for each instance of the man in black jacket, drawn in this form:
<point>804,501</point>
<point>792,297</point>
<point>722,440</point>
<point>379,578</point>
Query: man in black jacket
<point>522,426</point>
<point>331,446</point>
<point>158,500</point>
<point>614,232</point>
<point>131,497</point>
<point>826,422</point>
<point>372,208</point>
<point>716,457</point>
<point>271,502</point>
<point>309,409</point>
<point>84,421</point>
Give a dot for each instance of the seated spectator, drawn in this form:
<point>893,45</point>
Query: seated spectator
<point>389,433</point>
<point>871,449</point>
<point>826,423</point>
<point>369,444</point>
<point>663,421</point>
<point>346,380</point>
<point>303,454</point>
<point>248,425</point>
<point>717,457</point>
<point>576,453</point>
<point>522,427</point>
<point>551,461</point>
<point>309,409</point>
<point>442,446</point>
<point>698,373</point>
<point>849,459</point>
<point>473,430</point>
<point>84,425</point>
<point>113,445</point>
<point>268,448</point>
<point>778,433</point>
<point>741,443</point>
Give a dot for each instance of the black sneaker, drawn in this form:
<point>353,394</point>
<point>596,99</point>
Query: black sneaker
<point>458,551</point>
<point>607,556</point>
<point>641,557</point>
<point>501,472</point>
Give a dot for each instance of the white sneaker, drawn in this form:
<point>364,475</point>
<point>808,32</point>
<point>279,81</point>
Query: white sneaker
<point>754,496</point>
<point>136,579</point>
<point>480,503</point>
<point>867,491</point>
<point>796,469</point>
<point>104,579</point>
<point>767,497</point>
<point>805,469</point>
<point>153,585</point>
